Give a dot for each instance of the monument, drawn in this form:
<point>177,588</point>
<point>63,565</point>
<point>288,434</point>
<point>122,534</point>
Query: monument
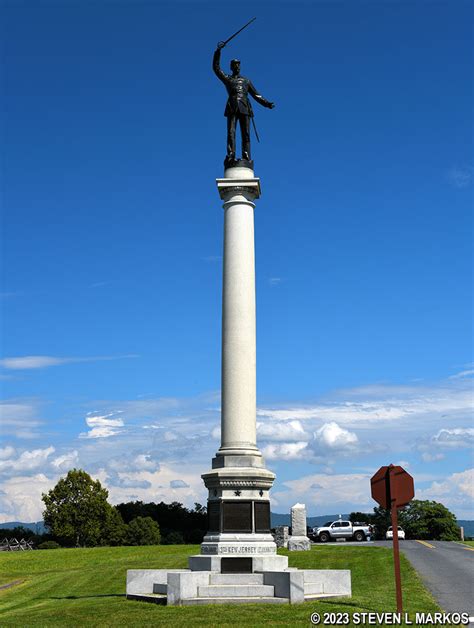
<point>298,540</point>
<point>238,560</point>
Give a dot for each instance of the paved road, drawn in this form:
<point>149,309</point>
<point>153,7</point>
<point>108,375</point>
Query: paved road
<point>447,570</point>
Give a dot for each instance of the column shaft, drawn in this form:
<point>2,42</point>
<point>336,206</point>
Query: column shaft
<point>238,327</point>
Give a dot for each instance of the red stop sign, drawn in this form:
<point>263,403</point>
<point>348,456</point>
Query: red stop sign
<point>392,486</point>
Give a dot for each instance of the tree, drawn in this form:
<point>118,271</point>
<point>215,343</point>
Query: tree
<point>115,530</point>
<point>423,519</point>
<point>77,509</point>
<point>143,531</point>
<point>381,520</point>
<point>360,516</point>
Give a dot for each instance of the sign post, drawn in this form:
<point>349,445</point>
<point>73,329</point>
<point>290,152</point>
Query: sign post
<point>392,487</point>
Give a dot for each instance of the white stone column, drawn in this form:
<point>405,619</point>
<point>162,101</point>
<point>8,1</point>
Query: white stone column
<point>238,484</point>
<point>238,189</point>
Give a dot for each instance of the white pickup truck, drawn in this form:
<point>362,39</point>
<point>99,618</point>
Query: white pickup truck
<point>334,530</point>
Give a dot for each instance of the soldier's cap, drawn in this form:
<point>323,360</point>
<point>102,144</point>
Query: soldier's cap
<point>234,61</point>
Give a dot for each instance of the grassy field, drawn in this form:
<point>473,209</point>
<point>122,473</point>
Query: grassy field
<point>86,587</point>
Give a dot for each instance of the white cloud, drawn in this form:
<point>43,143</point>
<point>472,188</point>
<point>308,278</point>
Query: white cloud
<point>159,485</point>
<point>99,432</point>
<point>367,407</point>
<point>139,463</point>
<point>103,421</point>
<point>21,498</point>
<point>427,457</point>
<point>19,418</point>
<point>463,374</point>
<point>445,438</point>
<point>102,426</point>
<point>456,438</point>
<point>287,431</point>
<point>27,460</point>
<point>170,436</point>
<point>32,362</point>
<point>460,177</point>
<point>131,482</point>
<point>456,492</point>
<point>404,464</point>
<point>178,484</point>
<point>133,462</point>
<point>274,281</point>
<point>45,361</point>
<point>285,451</point>
<point>332,436</point>
<point>328,494</point>
<point>144,462</point>
<point>66,461</point>
<point>6,452</point>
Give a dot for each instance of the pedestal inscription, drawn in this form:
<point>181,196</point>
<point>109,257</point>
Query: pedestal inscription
<point>214,516</point>
<point>237,516</point>
<point>262,516</point>
<point>236,565</point>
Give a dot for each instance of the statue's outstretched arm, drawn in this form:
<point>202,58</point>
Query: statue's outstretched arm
<point>216,66</point>
<point>259,98</point>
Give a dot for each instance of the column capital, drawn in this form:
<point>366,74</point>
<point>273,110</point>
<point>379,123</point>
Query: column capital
<point>245,187</point>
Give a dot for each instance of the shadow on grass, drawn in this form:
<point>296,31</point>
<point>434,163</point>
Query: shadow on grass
<point>86,597</point>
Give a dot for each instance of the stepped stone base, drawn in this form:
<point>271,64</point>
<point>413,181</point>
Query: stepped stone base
<point>180,587</point>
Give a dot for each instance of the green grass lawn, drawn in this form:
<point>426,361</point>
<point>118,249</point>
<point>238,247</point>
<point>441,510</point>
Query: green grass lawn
<point>470,543</point>
<point>86,587</point>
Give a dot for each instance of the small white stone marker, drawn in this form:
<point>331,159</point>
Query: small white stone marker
<point>298,539</point>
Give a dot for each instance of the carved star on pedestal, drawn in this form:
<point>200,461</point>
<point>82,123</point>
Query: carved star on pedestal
<point>238,493</point>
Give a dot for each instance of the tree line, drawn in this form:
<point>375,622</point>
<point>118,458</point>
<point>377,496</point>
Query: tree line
<point>77,514</point>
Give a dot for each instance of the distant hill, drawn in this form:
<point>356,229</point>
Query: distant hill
<point>277,519</point>
<point>37,527</point>
<point>284,520</point>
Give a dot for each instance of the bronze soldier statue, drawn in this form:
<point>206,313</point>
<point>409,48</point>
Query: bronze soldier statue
<point>238,107</point>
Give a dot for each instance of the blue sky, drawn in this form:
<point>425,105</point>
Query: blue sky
<point>112,135</point>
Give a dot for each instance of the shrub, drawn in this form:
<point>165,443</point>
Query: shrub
<point>48,545</point>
